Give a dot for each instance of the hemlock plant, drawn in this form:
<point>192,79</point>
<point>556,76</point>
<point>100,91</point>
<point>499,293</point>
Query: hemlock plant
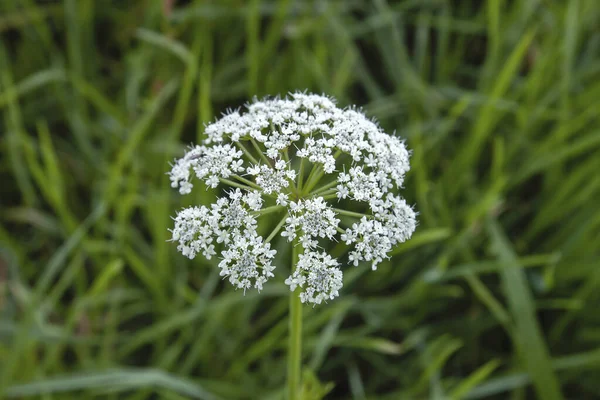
<point>330,173</point>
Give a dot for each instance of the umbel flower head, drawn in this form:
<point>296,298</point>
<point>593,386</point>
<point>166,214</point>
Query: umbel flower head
<point>331,174</point>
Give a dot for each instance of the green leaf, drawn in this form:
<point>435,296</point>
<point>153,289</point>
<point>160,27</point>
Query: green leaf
<point>115,380</point>
<point>528,338</point>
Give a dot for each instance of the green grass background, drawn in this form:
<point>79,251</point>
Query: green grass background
<point>495,297</point>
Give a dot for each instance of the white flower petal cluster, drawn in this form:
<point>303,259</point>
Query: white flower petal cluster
<point>272,180</point>
<point>318,275</point>
<point>314,218</point>
<point>262,152</point>
<point>374,237</point>
<point>209,163</point>
<point>247,260</point>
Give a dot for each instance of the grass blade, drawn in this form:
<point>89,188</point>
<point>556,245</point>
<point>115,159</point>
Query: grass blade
<point>530,343</point>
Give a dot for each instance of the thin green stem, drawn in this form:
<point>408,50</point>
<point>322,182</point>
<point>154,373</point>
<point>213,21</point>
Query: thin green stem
<point>350,213</point>
<point>260,152</point>
<point>269,210</point>
<point>300,175</point>
<point>295,334</point>
<point>317,173</point>
<point>316,178</point>
<point>247,182</point>
<point>235,184</point>
<point>285,155</point>
<point>326,188</point>
<point>276,229</point>
<point>246,152</point>
<point>246,185</point>
<point>329,196</point>
<point>311,174</point>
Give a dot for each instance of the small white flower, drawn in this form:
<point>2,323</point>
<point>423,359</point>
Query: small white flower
<point>253,170</point>
<point>271,180</point>
<point>258,152</point>
<point>342,192</point>
<point>319,277</point>
<point>254,200</point>
<point>282,199</point>
<point>280,164</point>
<point>315,219</point>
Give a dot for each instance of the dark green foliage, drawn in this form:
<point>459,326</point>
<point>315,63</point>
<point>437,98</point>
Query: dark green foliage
<point>496,296</point>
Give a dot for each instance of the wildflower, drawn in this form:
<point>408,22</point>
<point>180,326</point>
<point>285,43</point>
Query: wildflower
<point>330,173</point>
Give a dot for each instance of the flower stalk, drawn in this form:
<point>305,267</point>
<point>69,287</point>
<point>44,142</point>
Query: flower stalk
<point>295,335</point>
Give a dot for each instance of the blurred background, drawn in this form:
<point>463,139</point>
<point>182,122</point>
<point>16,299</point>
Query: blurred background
<point>495,297</point>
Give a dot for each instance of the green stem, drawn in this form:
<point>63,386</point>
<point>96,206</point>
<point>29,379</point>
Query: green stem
<point>309,178</point>
<point>329,196</point>
<point>260,152</point>
<point>329,187</point>
<point>268,210</point>
<point>315,179</point>
<point>285,155</point>
<point>247,182</point>
<point>317,173</point>
<point>300,175</point>
<point>235,184</point>
<point>246,152</point>
<point>350,213</point>
<point>276,229</point>
<point>295,334</point>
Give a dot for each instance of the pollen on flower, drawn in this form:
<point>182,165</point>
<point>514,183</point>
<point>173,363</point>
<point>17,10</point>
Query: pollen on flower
<point>305,159</point>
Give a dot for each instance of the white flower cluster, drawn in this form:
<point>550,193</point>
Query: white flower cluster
<point>210,163</point>
<point>317,273</point>
<point>300,157</point>
<point>314,218</point>
<point>272,180</point>
<point>247,260</point>
<point>393,222</point>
